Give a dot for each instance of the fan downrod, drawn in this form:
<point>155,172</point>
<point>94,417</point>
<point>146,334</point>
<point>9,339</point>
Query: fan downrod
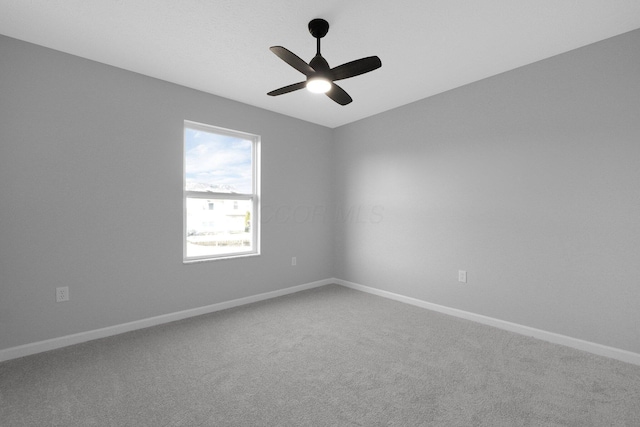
<point>318,28</point>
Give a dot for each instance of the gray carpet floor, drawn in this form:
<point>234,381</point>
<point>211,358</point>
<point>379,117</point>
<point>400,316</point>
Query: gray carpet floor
<point>327,356</point>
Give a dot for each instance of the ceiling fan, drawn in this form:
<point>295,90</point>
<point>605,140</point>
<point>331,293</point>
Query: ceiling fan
<point>320,77</point>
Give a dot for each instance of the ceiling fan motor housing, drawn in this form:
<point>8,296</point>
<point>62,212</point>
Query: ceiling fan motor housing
<point>320,65</point>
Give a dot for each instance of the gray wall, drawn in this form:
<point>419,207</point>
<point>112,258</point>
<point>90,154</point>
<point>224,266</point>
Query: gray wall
<point>529,180</point>
<point>91,197</point>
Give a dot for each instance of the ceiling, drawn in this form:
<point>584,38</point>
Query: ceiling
<point>222,46</point>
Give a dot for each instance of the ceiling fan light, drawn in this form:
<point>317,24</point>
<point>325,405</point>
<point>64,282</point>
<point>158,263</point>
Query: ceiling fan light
<point>318,85</point>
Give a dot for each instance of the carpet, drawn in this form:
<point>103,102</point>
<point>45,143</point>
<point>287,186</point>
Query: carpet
<point>329,356</point>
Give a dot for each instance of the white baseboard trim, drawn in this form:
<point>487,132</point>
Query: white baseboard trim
<point>54,343</point>
<point>599,349</point>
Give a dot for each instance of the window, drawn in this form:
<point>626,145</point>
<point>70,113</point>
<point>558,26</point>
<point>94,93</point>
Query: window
<point>221,193</point>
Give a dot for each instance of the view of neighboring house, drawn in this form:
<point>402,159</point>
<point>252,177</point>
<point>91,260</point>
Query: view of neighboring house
<point>215,216</point>
<point>216,223</point>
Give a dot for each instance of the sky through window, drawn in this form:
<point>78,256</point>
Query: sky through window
<point>220,161</point>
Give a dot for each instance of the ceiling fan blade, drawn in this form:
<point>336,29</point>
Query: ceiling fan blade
<point>339,95</point>
<point>292,59</point>
<point>287,89</point>
<point>355,68</point>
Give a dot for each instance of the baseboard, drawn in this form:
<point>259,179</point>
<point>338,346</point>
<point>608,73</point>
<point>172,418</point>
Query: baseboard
<point>601,350</point>
<point>54,343</point>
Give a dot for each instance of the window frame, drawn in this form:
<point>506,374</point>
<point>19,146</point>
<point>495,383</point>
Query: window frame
<point>254,197</point>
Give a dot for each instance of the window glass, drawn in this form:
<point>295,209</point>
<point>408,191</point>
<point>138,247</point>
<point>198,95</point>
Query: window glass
<point>220,193</point>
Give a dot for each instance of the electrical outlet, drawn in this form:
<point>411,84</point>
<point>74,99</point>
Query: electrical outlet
<point>62,294</point>
<point>462,276</point>
<point>294,261</point>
